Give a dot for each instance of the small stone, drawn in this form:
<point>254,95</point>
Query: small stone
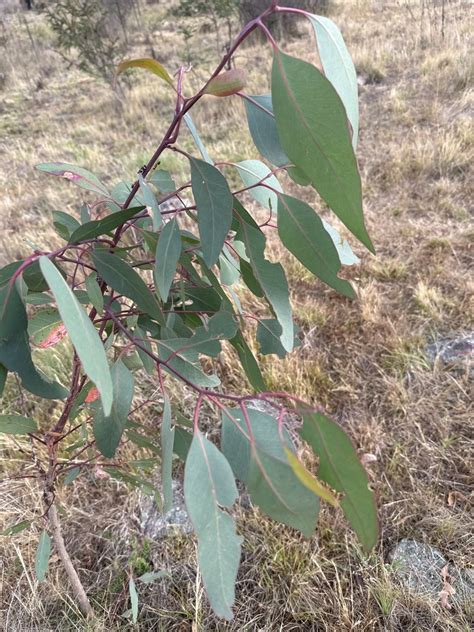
<point>419,567</point>
<point>157,525</point>
<point>455,352</point>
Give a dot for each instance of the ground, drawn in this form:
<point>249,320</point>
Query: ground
<point>364,361</point>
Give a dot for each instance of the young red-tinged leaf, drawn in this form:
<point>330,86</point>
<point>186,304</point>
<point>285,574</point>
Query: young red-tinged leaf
<point>82,177</point>
<point>43,553</point>
<point>313,130</point>
<point>92,396</point>
<point>208,485</point>
<point>43,327</point>
<point>17,424</point>
<point>168,251</point>
<point>214,204</point>
<point>227,83</point>
<point>82,333</point>
<point>54,336</point>
<point>152,65</point>
<point>340,468</point>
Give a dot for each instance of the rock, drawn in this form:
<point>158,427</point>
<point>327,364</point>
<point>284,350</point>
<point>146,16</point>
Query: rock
<point>157,525</point>
<point>419,567</point>
<point>455,352</point>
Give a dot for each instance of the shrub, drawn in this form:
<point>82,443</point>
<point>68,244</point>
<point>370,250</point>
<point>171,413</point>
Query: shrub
<point>90,33</point>
<point>155,288</point>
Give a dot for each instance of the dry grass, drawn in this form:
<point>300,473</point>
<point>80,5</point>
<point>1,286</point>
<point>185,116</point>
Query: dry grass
<point>363,360</point>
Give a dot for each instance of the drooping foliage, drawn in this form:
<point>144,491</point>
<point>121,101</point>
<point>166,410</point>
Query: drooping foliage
<point>156,285</point>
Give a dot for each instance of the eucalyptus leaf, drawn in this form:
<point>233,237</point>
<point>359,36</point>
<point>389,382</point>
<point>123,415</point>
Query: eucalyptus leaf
<point>17,424</point>
<point>340,468</point>
<point>168,252</point>
<point>214,204</point>
<point>209,485</point>
<point>123,278</point>
<point>108,429</point>
<point>338,67</point>
<point>77,175</point>
<point>82,333</point>
<point>303,233</point>
<point>257,456</point>
<point>43,553</point>
<point>254,171</point>
<point>312,127</point>
<point>98,227</point>
<point>167,441</point>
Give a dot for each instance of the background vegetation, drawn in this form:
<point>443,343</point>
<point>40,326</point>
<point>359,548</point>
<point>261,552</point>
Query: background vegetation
<point>415,153</point>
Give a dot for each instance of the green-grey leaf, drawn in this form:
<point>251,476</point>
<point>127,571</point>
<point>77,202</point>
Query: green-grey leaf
<point>197,139</point>
<point>167,441</point>
<point>17,424</point>
<point>254,171</point>
<point>303,233</point>
<point>340,467</point>
<point>263,129</point>
<point>15,352</point>
<point>65,224</point>
<point>249,363</point>
<point>214,204</point>
<point>79,176</point>
<point>272,280</point>
<point>94,292</point>
<point>43,553</point>
<point>98,227</point>
<point>185,364</point>
<point>268,337</point>
<point>182,442</point>
<point>133,599</point>
<point>168,251</point>
<point>82,333</point>
<point>123,278</point>
<point>338,67</point>
<point>151,203</point>
<point>346,255</point>
<point>108,429</point>
<point>263,466</point>
<point>208,485</point>
<point>163,181</point>
<point>312,126</point>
